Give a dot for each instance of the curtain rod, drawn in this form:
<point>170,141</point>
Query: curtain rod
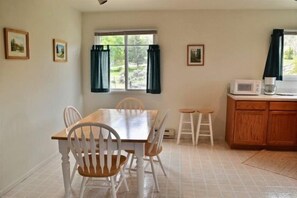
<point>125,30</point>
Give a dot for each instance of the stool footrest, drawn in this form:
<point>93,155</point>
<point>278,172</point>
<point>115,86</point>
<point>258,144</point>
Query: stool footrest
<point>204,132</point>
<point>189,133</point>
<point>205,123</point>
<point>205,135</point>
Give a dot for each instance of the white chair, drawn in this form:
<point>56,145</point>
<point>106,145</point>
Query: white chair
<point>84,141</point>
<point>153,148</point>
<point>130,103</point>
<point>207,123</point>
<point>71,116</point>
<point>182,130</point>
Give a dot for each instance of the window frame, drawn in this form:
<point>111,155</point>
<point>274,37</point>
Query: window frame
<point>125,33</point>
<point>289,77</point>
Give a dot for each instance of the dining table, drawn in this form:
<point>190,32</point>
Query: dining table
<point>133,126</point>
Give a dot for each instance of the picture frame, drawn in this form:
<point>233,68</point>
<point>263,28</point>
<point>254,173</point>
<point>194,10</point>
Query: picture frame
<point>195,55</point>
<point>59,50</point>
<point>16,44</point>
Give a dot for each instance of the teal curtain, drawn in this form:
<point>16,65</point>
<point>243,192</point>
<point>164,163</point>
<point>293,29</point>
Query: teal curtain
<point>153,84</point>
<point>274,61</point>
<point>100,66</point>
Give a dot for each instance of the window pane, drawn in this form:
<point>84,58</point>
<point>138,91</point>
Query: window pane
<point>144,39</point>
<point>112,40</point>
<point>137,67</point>
<point>290,55</point>
<point>117,67</point>
<point>128,59</point>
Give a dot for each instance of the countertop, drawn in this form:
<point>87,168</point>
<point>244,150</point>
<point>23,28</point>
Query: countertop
<point>264,97</point>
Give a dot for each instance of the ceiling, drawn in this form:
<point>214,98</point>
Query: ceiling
<point>149,5</point>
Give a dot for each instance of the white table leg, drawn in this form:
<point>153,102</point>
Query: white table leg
<point>139,152</point>
<point>64,150</point>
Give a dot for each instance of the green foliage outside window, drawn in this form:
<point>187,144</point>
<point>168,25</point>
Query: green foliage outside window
<point>290,55</point>
<point>135,60</point>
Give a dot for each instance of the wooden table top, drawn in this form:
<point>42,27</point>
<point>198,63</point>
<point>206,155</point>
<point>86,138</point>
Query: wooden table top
<point>131,125</point>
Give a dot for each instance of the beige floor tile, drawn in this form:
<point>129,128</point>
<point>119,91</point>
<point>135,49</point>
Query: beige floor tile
<point>198,171</point>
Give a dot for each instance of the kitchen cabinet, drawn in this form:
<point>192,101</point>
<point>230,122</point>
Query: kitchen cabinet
<point>282,124</point>
<point>250,127</point>
<point>261,123</point>
<point>246,123</point>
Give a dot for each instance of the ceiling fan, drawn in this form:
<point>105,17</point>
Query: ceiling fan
<point>101,2</point>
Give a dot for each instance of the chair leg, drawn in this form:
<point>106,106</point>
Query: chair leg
<point>154,174</point>
<point>113,192</point>
<point>132,159</point>
<point>192,128</point>
<point>159,159</point>
<point>146,165</point>
<point>124,179</point>
<point>82,187</point>
<point>198,127</point>
<point>180,127</point>
<point>210,129</point>
<point>125,165</point>
<point>73,172</point>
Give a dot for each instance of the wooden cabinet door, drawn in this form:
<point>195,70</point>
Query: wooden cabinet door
<point>282,128</point>
<point>250,127</point>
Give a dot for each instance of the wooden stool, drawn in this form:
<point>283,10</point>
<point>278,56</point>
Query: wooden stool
<point>208,122</point>
<point>182,121</point>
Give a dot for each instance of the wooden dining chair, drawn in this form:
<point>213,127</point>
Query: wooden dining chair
<point>71,116</point>
<point>84,139</point>
<point>130,103</point>
<point>153,148</point>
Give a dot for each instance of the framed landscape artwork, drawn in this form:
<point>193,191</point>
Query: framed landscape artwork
<point>59,50</point>
<point>16,44</point>
<point>195,55</point>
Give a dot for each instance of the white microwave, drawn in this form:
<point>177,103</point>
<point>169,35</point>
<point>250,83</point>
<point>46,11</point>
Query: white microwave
<point>245,87</point>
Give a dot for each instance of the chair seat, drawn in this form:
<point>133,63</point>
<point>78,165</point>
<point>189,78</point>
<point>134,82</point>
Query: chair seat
<point>187,110</point>
<point>106,173</point>
<point>154,151</point>
<point>205,111</point>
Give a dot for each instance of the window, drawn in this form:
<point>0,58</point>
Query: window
<point>128,57</point>
<point>290,56</point>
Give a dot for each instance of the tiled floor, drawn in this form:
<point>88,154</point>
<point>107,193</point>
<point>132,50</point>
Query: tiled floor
<point>200,171</point>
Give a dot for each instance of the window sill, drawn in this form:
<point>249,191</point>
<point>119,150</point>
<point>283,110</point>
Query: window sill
<point>290,78</point>
<point>129,92</point>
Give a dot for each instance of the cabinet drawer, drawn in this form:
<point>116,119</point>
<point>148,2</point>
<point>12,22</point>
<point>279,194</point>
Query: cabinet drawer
<point>254,105</point>
<point>283,106</point>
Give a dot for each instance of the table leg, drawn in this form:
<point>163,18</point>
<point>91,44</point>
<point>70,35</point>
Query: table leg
<point>139,152</point>
<point>64,150</point>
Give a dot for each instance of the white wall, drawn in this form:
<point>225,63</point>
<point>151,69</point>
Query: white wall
<point>34,92</point>
<point>236,46</point>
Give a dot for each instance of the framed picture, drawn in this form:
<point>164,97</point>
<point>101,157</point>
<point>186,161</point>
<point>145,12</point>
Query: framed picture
<point>16,44</point>
<point>59,50</point>
<point>195,55</point>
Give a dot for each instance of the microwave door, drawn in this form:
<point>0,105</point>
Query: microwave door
<point>245,87</point>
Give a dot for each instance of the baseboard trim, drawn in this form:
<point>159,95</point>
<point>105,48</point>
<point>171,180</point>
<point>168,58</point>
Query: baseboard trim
<point>25,176</point>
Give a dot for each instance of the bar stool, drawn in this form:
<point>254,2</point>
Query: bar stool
<point>182,121</point>
<point>207,122</point>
